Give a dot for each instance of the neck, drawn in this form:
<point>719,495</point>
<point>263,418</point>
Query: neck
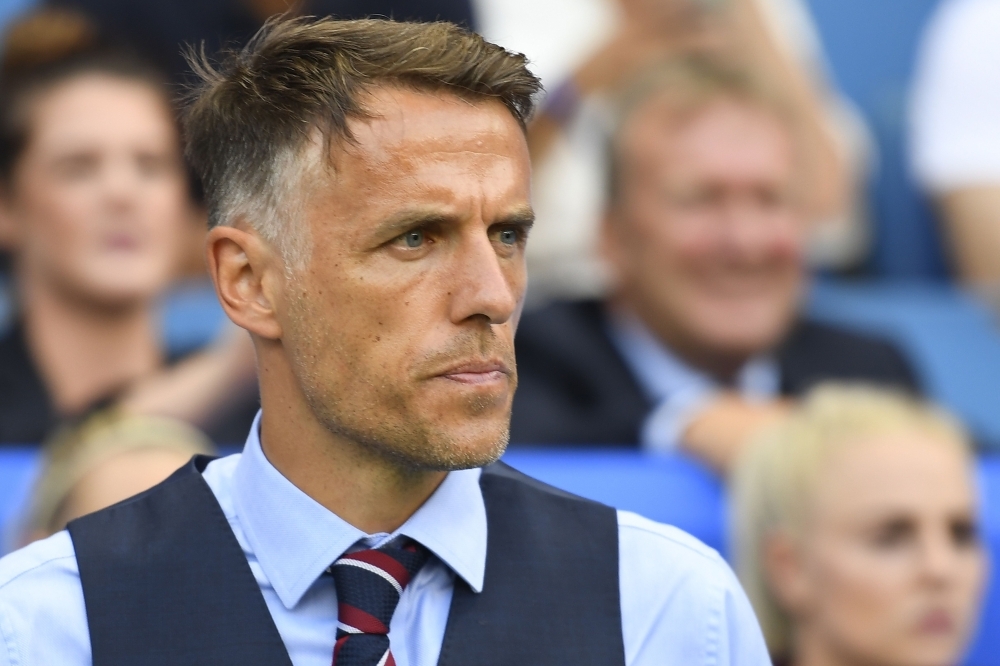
<point>84,352</point>
<point>362,486</point>
<point>722,366</point>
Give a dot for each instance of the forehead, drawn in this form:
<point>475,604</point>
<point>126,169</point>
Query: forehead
<point>408,124</point>
<point>724,133</point>
<point>101,106</point>
<point>912,472</point>
<point>439,153</point>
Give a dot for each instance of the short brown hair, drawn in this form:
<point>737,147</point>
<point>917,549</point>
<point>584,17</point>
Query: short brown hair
<point>251,117</point>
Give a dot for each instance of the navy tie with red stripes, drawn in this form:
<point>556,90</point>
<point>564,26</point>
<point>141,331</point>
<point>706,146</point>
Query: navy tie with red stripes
<point>369,584</point>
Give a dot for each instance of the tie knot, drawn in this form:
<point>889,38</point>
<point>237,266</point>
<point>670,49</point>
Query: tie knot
<point>369,584</point>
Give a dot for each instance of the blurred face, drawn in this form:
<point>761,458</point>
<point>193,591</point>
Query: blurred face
<point>119,477</point>
<point>98,198</point>
<point>660,14</point>
<point>892,566</point>
<point>705,238</point>
<point>400,329</point>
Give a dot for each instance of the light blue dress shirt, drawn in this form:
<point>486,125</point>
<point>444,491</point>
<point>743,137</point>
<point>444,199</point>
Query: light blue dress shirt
<point>681,604</point>
<point>676,389</point>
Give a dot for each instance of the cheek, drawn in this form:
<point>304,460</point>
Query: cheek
<point>57,223</point>
<point>785,241</point>
<point>861,596</point>
<point>668,244</point>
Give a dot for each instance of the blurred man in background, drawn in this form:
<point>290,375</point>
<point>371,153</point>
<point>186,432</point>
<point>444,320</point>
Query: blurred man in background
<point>585,49</point>
<point>701,339</point>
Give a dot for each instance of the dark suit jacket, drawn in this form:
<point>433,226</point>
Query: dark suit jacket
<point>575,388</point>
<point>28,416</point>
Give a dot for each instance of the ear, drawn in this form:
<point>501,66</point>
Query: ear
<point>249,279</point>
<point>787,574</point>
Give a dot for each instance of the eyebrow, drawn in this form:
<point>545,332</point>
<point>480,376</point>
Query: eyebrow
<point>522,217</point>
<point>400,223</point>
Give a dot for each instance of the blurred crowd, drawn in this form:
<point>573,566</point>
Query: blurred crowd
<point>694,166</point>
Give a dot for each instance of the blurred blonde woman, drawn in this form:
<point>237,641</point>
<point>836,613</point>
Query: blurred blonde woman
<point>855,532</point>
<point>108,458</point>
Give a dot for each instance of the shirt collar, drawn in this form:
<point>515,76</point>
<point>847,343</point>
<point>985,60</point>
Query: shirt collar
<point>661,373</point>
<point>295,539</point>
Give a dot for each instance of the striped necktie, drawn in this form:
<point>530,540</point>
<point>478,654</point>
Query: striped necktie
<point>369,584</point>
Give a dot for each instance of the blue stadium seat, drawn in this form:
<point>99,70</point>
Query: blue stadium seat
<point>674,490</point>
<point>192,318</point>
<point>871,47</point>
<point>952,339</point>
<point>18,466</point>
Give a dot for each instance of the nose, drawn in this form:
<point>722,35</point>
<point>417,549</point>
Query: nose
<point>746,230</point>
<point>484,285</point>
<point>120,184</point>
<point>938,559</point>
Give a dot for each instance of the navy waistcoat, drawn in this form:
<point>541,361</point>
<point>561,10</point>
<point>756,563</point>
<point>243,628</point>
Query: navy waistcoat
<point>165,582</point>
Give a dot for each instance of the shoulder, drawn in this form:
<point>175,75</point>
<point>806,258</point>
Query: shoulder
<point>681,603</point>
<point>667,555</point>
<point>42,613</point>
<point>49,558</point>
<point>816,352</point>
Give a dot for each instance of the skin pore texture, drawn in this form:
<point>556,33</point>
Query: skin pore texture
<point>93,212</point>
<point>388,358</point>
<point>889,568</point>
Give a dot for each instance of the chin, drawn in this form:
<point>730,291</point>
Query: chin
<point>737,332</point>
<point>740,343</point>
<point>465,446</point>
<point>113,293</point>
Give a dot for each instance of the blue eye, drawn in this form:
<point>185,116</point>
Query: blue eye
<point>414,238</point>
<point>508,236</point>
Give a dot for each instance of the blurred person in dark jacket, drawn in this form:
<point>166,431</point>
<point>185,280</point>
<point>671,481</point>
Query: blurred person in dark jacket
<point>93,201</point>
<point>856,532</point>
<point>701,340</point>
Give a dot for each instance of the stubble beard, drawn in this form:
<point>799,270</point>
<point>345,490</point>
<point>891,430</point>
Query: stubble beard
<point>376,416</point>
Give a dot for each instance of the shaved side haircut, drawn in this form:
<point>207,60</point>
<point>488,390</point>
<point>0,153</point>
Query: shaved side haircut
<point>248,123</point>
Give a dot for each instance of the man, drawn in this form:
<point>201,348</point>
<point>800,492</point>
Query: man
<point>701,337</point>
<point>368,186</point>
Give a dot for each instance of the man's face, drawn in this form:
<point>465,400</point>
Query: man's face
<point>400,328</point>
<point>705,238</point>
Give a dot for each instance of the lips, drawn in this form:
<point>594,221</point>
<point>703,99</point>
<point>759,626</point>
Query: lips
<point>477,372</point>
<point>937,621</point>
<point>122,242</point>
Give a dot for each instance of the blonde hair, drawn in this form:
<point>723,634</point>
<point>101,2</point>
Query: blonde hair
<point>773,483</point>
<point>688,84</point>
<point>73,453</point>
